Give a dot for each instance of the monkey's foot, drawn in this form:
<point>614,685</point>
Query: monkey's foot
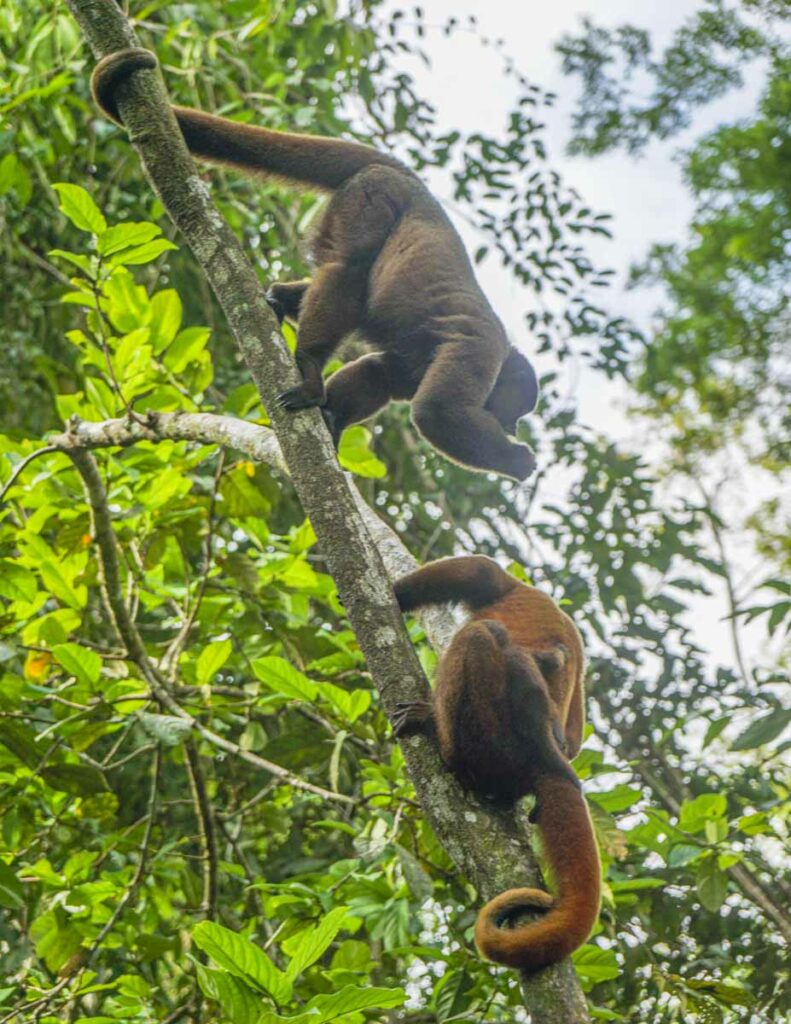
<point>300,397</point>
<point>276,306</point>
<point>524,462</point>
<point>411,716</point>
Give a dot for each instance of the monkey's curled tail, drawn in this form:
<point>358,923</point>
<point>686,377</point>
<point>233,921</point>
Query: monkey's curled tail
<point>570,847</point>
<point>302,159</point>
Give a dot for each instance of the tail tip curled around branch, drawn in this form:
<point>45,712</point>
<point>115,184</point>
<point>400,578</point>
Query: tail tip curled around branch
<point>111,70</point>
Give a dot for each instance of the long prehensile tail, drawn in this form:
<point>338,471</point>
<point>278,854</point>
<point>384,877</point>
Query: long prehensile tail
<point>570,847</point>
<point>309,160</point>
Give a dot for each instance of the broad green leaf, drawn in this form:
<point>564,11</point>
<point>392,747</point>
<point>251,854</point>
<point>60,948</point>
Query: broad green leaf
<point>617,799</point>
<point>211,659</point>
<point>55,580</point>
<point>166,314</point>
<point>187,346</point>
<point>77,779</point>
<point>16,582</point>
<point>694,813</point>
<point>281,677</point>
<point>763,730</point>
<point>140,254</point>
<point>595,965</point>
<point>241,497</point>
<point>350,704</point>
<point>80,208</point>
<point>451,995</point>
<point>21,741</point>
<point>313,942</point>
<point>355,455</point>
<point>242,958</point>
<point>8,170</point>
<point>126,235</point>
<point>80,661</point>
<point>712,884</point>
<point>85,263</point>
<point>351,998</point>
<point>11,889</point>
<point>238,1001</point>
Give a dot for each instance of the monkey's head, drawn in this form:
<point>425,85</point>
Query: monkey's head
<point>515,392</point>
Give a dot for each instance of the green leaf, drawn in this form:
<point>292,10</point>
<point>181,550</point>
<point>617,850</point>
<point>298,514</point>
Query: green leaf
<point>355,455</point>
<point>16,582</point>
<point>595,964</point>
<point>281,677</point>
<point>351,705</point>
<point>85,263</point>
<point>242,958</point>
<point>763,730</point>
<point>80,208</point>
<point>313,942</point>
<point>451,995</point>
<point>187,347</point>
<point>21,741</point>
<point>712,884</point>
<point>142,253</point>
<point>211,659</point>
<point>54,579</point>
<point>239,1003</point>
<point>351,998</point>
<point>81,662</point>
<point>695,813</point>
<point>126,235</point>
<point>77,779</point>
<point>166,314</point>
<point>617,799</point>
<point>12,893</point>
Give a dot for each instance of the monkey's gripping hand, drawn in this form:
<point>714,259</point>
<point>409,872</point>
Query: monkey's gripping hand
<point>310,392</point>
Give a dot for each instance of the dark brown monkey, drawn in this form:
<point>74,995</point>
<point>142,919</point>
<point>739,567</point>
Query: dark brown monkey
<point>507,705</point>
<point>390,265</point>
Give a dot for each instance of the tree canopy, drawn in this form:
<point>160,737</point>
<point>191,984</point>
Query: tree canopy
<point>252,850</point>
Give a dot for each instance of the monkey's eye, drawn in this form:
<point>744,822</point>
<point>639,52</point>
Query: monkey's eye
<point>552,661</point>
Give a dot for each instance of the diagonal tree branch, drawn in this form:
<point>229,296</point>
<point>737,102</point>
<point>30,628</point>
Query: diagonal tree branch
<point>491,849</point>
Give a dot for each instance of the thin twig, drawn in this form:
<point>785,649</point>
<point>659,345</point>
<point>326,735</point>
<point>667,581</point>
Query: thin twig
<point>208,841</point>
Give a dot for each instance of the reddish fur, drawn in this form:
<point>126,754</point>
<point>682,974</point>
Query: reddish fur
<point>390,266</point>
<point>493,709</point>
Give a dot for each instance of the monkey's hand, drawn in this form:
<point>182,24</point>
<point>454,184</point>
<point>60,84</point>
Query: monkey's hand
<point>310,392</point>
<point>412,716</point>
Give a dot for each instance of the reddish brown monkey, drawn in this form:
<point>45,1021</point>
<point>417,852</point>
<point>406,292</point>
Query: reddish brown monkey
<point>390,265</point>
<point>507,706</point>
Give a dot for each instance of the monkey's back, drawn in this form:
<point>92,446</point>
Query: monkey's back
<point>422,289</point>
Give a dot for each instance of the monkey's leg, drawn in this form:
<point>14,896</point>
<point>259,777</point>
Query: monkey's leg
<point>362,388</point>
<point>475,580</point>
<point>331,308</point>
<point>448,410</point>
<point>471,707</point>
<point>285,298</point>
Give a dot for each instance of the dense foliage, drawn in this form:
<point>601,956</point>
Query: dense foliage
<point>150,871</point>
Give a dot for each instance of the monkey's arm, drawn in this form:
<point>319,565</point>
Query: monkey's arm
<point>474,580</point>
<point>304,159</point>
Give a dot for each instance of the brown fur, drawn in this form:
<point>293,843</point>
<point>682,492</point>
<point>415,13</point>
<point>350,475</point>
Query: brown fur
<point>508,699</point>
<point>389,265</point>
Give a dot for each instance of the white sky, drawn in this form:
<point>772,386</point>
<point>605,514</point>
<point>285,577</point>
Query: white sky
<point>646,196</point>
